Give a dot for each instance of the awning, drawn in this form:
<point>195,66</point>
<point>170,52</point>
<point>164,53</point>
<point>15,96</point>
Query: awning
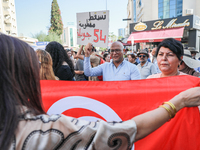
<point>156,35</point>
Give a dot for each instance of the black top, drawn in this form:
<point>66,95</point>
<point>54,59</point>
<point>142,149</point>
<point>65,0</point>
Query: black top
<point>64,73</point>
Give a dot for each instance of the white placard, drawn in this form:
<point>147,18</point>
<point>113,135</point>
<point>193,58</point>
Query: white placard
<point>92,27</point>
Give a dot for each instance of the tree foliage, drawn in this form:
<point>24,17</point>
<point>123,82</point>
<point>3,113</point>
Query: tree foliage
<point>112,37</point>
<point>120,37</point>
<point>52,36</point>
<point>56,20</point>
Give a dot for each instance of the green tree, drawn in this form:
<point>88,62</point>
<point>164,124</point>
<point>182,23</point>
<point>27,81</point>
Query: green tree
<point>120,37</point>
<point>56,20</point>
<point>112,37</point>
<point>52,36</point>
<point>41,36</point>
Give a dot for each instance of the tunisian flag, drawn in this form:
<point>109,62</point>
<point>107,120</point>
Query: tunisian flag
<point>122,100</point>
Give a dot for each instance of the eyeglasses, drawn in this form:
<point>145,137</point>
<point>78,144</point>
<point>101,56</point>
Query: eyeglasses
<point>116,50</point>
<point>142,56</point>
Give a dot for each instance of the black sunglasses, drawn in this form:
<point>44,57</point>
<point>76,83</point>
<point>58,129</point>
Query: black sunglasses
<point>142,56</point>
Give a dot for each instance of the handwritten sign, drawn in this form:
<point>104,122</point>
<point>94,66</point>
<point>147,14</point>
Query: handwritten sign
<point>93,27</point>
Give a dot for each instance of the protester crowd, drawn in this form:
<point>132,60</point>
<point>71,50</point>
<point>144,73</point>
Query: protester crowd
<point>24,123</point>
<point>169,58</point>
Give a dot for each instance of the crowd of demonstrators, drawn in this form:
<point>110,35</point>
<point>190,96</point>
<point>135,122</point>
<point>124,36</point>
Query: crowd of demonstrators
<point>45,61</point>
<point>22,113</point>
<point>168,59</point>
<point>116,70</point>
<point>145,67</point>
<point>188,64</point>
<point>62,65</point>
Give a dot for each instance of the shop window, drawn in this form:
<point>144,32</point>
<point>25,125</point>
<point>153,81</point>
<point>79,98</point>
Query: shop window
<point>160,5</point>
<point>71,37</point>
<point>172,13</point>
<point>65,37</point>
<point>172,2</point>
<point>179,2</point>
<point>166,4</point>
<point>172,6</point>
<point>166,14</point>
<point>160,10</point>
<point>179,12</point>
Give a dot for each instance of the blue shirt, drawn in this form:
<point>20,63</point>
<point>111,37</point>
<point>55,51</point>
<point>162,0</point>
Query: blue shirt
<point>125,71</point>
<point>147,69</point>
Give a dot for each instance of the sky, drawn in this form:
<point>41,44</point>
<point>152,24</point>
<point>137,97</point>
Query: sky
<point>33,16</point>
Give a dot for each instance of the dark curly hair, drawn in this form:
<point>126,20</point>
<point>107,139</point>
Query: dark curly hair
<point>175,46</point>
<point>59,55</point>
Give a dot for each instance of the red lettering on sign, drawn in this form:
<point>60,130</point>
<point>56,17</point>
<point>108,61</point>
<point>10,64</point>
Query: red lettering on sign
<point>102,39</point>
<point>95,34</point>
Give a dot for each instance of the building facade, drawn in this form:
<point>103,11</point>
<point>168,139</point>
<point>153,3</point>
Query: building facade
<point>121,32</point>
<point>69,37</point>
<point>8,23</point>
<point>176,12</point>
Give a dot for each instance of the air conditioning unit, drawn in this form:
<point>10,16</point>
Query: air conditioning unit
<point>189,11</point>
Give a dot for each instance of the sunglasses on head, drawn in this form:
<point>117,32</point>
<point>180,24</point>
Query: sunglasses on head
<point>142,56</point>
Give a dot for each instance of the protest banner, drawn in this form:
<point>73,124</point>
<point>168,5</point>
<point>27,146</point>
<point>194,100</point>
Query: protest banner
<point>93,27</point>
<point>122,100</point>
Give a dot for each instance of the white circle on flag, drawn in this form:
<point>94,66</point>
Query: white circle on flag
<point>100,108</point>
<point>87,103</point>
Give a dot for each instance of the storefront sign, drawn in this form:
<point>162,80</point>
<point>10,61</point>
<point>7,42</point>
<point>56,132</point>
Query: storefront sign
<point>140,26</point>
<point>183,21</point>
<point>172,24</point>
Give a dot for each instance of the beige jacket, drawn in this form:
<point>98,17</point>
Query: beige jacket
<point>45,132</point>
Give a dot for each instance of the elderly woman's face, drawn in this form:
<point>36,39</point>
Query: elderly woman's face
<point>167,61</point>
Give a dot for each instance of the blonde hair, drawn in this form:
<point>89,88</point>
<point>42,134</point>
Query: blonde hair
<point>46,70</point>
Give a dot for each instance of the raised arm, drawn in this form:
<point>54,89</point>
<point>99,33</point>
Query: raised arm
<point>152,120</point>
<point>79,55</point>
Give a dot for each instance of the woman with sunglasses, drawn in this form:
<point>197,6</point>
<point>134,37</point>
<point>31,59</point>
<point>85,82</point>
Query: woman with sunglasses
<point>169,55</point>
<point>25,125</point>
